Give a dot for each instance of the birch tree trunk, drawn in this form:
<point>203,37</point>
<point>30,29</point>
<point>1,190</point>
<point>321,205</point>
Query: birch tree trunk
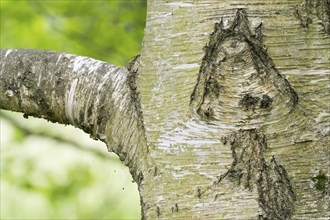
<point>225,115</point>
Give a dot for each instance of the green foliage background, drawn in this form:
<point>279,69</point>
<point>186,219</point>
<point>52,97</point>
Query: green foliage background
<point>49,171</point>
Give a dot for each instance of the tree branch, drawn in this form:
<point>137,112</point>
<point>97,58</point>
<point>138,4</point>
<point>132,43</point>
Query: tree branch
<point>86,93</point>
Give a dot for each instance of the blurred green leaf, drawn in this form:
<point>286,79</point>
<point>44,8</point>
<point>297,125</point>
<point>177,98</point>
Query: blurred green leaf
<point>108,30</point>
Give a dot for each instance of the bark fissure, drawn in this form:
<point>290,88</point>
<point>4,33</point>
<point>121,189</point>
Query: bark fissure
<point>133,68</point>
<point>250,170</point>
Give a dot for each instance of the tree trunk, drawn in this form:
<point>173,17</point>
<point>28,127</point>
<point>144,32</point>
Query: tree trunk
<point>237,121</point>
<point>224,116</point>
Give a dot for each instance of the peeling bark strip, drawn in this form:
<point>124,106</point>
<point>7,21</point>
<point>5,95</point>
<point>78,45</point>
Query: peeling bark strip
<point>237,80</point>
<point>249,168</point>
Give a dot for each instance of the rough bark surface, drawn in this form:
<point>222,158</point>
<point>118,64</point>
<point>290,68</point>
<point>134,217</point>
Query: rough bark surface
<point>86,93</point>
<point>225,115</point>
<point>238,82</point>
<point>250,169</point>
<point>215,70</point>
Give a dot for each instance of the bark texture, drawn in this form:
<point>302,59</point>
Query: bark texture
<point>234,96</point>
<point>225,115</point>
<point>80,91</point>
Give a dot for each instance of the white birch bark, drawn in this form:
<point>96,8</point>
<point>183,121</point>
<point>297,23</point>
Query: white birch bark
<point>226,163</point>
<point>229,116</point>
<point>68,89</point>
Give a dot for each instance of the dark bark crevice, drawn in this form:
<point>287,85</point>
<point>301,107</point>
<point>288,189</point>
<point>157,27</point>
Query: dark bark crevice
<point>133,68</point>
<point>250,169</point>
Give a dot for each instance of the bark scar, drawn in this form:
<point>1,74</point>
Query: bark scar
<point>238,81</point>
<point>249,169</point>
